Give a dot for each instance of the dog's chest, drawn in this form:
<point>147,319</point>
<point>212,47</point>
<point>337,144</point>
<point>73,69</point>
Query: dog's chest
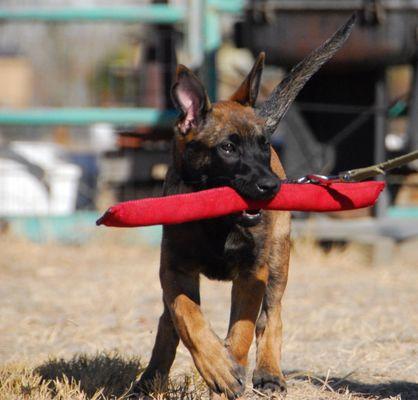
<point>229,255</point>
<point>217,252</point>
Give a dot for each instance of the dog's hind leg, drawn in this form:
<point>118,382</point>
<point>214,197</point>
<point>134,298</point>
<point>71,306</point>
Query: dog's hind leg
<point>267,375</point>
<point>155,376</point>
<point>247,294</point>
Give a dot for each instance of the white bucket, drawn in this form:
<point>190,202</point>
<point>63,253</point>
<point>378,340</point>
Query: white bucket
<point>24,194</point>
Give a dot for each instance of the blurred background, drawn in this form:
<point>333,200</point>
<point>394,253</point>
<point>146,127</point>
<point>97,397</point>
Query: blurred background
<point>86,121</point>
<point>86,116</point>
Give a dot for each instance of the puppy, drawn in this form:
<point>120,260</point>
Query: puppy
<point>227,144</point>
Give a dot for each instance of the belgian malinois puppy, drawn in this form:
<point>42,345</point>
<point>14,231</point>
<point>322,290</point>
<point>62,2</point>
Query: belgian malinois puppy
<point>227,143</point>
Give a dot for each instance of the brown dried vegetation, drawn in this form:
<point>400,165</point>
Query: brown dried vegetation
<point>76,322</point>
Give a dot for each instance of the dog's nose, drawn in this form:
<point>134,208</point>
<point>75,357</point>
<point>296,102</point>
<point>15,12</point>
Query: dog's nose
<point>268,186</point>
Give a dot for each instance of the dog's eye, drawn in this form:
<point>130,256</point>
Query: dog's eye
<point>228,147</point>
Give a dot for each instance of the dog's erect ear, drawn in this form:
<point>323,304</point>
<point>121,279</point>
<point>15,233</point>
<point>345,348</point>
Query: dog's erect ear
<point>247,93</point>
<point>190,98</point>
<point>275,107</point>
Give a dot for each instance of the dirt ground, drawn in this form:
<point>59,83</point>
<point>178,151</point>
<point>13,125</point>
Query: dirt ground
<point>350,330</point>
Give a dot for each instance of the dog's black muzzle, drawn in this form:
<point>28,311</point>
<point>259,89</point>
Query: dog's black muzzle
<point>264,188</point>
<point>267,188</point>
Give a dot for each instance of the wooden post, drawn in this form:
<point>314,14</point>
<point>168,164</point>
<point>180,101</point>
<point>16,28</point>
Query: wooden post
<point>379,137</point>
<point>413,112</point>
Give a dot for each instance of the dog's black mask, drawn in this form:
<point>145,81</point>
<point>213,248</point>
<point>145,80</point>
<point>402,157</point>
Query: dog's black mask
<point>242,163</point>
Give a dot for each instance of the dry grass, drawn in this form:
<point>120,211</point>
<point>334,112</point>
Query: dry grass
<point>97,377</point>
<point>76,322</point>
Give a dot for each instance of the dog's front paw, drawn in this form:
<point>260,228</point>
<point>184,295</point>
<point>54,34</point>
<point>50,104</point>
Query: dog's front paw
<point>269,384</point>
<point>222,374</point>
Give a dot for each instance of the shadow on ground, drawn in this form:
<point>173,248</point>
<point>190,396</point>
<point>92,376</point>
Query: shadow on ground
<point>108,372</point>
<point>407,390</point>
<point>113,375</point>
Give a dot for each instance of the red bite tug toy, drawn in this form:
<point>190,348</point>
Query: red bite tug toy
<point>222,201</point>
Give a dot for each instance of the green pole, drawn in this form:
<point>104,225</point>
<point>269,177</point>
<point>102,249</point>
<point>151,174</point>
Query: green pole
<point>87,116</point>
<point>152,13</point>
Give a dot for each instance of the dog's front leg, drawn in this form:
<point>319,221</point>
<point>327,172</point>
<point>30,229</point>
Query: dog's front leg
<point>247,294</point>
<point>216,365</point>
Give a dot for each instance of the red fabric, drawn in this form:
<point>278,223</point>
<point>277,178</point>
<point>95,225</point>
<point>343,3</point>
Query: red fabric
<point>221,201</point>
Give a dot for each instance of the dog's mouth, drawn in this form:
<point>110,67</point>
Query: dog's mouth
<point>250,217</point>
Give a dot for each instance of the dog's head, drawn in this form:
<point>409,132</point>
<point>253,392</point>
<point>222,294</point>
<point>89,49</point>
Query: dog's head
<point>223,144</point>
<point>227,143</point>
